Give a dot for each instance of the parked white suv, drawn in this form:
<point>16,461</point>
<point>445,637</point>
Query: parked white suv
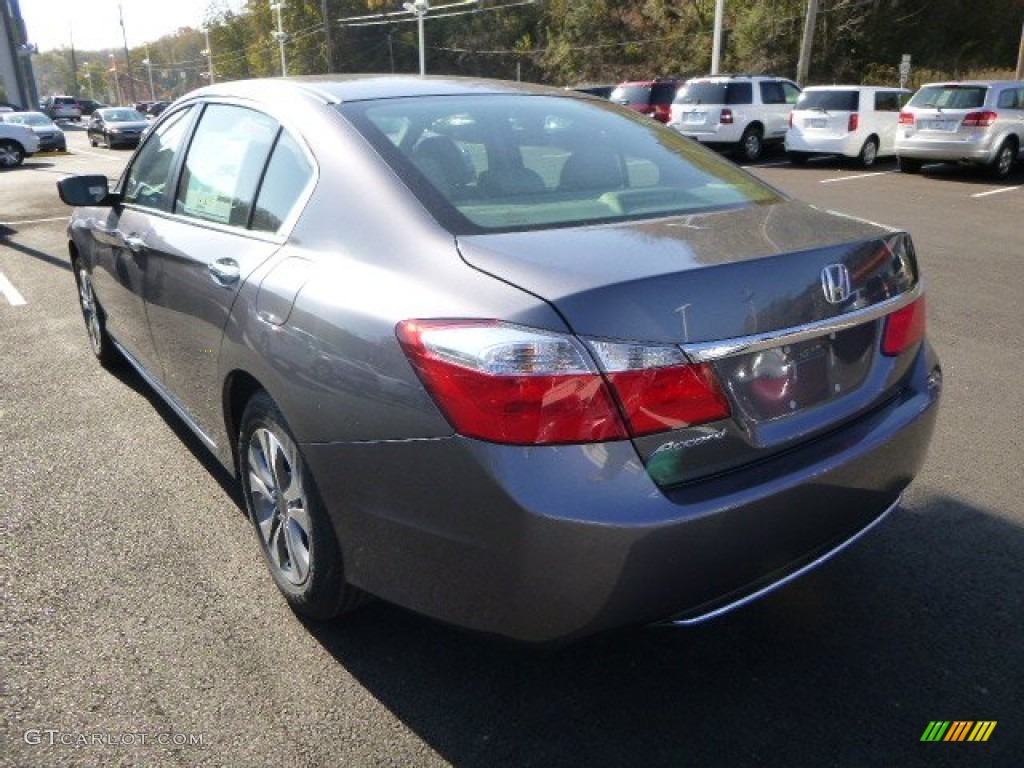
<point>979,122</point>
<point>858,121</point>
<point>16,143</point>
<point>741,112</point>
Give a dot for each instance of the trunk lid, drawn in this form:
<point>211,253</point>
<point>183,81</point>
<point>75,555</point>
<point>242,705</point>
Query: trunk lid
<point>722,286</point>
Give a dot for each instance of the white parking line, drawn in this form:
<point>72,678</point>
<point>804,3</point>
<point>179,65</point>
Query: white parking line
<point>10,293</point>
<point>855,176</point>
<point>996,191</point>
<point>33,221</point>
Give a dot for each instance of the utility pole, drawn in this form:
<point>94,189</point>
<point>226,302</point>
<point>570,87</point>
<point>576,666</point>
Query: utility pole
<point>807,43</point>
<point>280,35</point>
<point>327,35</point>
<point>716,44</point>
<point>1020,55</point>
<point>208,53</point>
<point>127,58</point>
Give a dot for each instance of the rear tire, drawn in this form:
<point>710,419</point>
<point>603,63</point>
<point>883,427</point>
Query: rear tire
<point>1002,163</point>
<point>751,144</point>
<point>296,536</point>
<point>11,154</point>
<point>868,153</point>
<point>907,165</point>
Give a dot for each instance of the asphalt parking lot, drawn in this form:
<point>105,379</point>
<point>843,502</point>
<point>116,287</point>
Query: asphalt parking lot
<point>139,625</point>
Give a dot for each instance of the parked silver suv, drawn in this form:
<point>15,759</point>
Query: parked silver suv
<point>742,112</point>
<point>980,122</point>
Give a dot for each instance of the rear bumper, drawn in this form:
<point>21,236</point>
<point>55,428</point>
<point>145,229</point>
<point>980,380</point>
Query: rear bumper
<point>947,151</point>
<point>848,145</point>
<point>545,545</point>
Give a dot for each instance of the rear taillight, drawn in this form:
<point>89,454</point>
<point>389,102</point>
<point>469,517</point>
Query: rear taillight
<point>980,119</point>
<point>726,117</point>
<point>790,119</point>
<point>906,118</point>
<point>658,389</point>
<point>510,384</point>
<point>904,328</point>
<point>852,122</point>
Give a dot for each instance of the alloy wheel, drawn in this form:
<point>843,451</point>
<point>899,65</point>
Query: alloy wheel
<point>279,503</point>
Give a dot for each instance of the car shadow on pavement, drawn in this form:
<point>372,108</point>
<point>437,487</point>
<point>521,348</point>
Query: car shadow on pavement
<point>5,239</point>
<point>131,378</point>
<point>920,621</point>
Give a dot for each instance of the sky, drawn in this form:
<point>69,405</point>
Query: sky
<point>95,24</point>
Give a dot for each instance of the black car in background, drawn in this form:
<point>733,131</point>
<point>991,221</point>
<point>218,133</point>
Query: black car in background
<point>512,357</point>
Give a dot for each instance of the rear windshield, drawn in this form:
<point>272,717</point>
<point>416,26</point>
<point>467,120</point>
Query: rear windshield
<point>828,101</point>
<point>949,97</point>
<point>499,163</point>
<point>663,93</point>
<point>631,95</point>
<point>715,93</point>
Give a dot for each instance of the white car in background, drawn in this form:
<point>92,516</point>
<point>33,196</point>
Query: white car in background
<point>855,121</point>
<point>16,143</point>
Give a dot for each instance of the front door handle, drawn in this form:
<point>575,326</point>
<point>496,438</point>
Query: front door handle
<point>225,271</point>
<point>135,243</point>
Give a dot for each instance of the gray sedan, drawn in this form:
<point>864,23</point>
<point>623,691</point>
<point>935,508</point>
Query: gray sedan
<point>512,357</point>
<point>116,126</point>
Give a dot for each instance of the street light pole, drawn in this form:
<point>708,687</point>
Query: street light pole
<point>208,53</point>
<point>419,8</point>
<point>149,67</point>
<point>280,36</point>
<point>117,81</point>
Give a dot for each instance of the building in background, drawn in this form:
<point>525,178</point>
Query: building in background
<point>16,78</point>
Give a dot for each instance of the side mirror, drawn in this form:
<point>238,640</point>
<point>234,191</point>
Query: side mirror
<point>85,190</point>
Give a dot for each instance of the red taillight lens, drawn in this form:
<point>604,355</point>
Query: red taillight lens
<point>790,119</point>
<point>904,328</point>
<point>980,119</point>
<point>726,117</point>
<point>509,384</point>
<point>659,399</point>
<point>906,118</point>
<point>852,122</point>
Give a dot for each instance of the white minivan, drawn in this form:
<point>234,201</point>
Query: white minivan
<point>857,121</point>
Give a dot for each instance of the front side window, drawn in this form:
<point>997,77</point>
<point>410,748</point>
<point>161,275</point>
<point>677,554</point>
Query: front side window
<point>149,175</point>
<point>888,101</point>
<point>772,93</point>
<point>224,164</point>
<point>505,163</point>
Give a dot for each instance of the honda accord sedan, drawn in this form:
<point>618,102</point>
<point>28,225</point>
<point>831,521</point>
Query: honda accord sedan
<point>515,358</point>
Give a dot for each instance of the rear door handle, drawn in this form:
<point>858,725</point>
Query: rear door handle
<point>225,271</point>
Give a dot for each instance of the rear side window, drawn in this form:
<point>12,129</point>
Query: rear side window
<point>631,94</point>
<point>1009,99</point>
<point>663,93</point>
<point>716,93</point>
<point>888,101</point>
<point>829,101</point>
<point>224,164</point>
<point>287,175</point>
<point>950,97</point>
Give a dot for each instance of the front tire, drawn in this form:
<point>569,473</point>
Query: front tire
<point>296,536</point>
<point>11,154</point>
<point>95,320</point>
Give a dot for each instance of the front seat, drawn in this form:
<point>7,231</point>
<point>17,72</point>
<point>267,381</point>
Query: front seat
<point>443,163</point>
<point>593,169</point>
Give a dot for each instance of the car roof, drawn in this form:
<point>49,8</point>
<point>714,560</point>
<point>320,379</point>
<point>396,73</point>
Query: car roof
<point>985,83</point>
<point>336,89</point>
<point>855,88</point>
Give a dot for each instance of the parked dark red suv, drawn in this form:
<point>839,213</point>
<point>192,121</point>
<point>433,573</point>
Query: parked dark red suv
<point>652,97</point>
